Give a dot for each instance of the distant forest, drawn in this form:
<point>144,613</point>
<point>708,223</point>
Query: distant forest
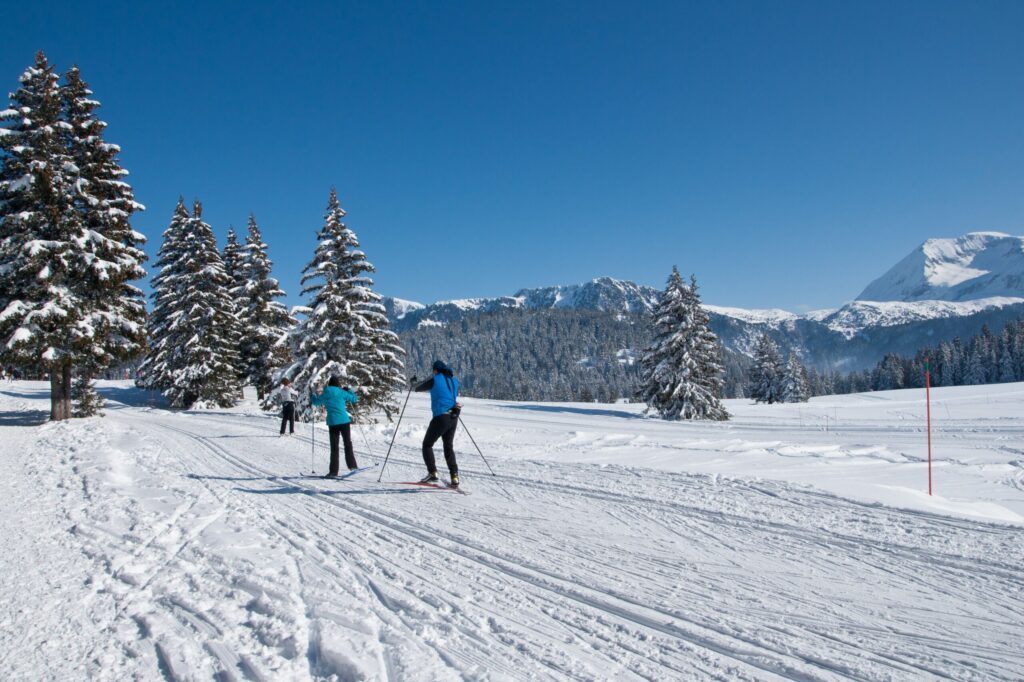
<point>583,355</point>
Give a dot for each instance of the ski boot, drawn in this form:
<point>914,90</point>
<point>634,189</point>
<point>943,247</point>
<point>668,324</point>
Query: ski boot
<point>430,478</point>
<point>455,480</point>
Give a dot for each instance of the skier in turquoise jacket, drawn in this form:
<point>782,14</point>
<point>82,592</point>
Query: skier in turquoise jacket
<point>335,399</point>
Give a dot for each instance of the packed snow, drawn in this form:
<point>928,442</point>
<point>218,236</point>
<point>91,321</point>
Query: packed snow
<point>794,541</point>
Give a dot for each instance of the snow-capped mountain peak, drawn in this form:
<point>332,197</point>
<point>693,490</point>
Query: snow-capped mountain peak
<point>974,266</point>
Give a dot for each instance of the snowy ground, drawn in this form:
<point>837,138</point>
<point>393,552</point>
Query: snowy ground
<point>792,542</point>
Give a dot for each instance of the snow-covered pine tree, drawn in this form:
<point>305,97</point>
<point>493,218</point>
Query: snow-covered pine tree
<point>793,385</point>
<point>765,372</point>
<point>339,334</point>
<point>234,262</point>
<point>156,370</point>
<point>265,321</point>
<point>87,402</point>
<point>194,351</point>
<point>111,250</point>
<point>234,257</point>
<point>44,319</point>
<point>681,371</point>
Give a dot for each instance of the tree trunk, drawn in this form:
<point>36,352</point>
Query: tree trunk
<point>60,394</point>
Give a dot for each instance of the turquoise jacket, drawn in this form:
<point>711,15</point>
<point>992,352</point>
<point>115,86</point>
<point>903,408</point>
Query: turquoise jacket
<point>334,399</point>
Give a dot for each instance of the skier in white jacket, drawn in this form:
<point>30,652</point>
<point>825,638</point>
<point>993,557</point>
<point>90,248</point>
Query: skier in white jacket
<point>287,395</point>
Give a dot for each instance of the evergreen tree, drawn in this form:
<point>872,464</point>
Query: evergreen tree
<point>194,353</point>
<point>111,250</point>
<point>87,402</point>
<point>793,383</point>
<point>681,371</point>
<point>975,372</point>
<point>234,264</point>
<point>44,318</point>
<point>344,330</point>
<point>233,257</point>
<point>890,374</point>
<point>265,322</point>
<point>766,372</point>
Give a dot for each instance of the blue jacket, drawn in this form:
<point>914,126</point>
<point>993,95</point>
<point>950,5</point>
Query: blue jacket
<point>444,392</point>
<point>334,399</point>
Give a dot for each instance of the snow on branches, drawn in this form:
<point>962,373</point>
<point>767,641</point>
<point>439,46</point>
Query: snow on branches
<point>681,371</point>
<point>193,355</point>
<point>344,331</point>
<point>68,255</point>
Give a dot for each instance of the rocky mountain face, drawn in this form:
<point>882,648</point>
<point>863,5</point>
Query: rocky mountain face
<point>945,288</point>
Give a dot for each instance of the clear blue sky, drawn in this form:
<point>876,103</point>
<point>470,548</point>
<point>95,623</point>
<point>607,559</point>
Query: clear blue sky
<point>785,152</point>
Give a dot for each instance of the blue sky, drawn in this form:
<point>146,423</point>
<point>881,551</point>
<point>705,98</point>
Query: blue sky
<point>785,152</point>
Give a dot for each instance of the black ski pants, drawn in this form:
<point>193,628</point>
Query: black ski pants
<point>288,416</point>
<point>344,431</point>
<point>442,426</point>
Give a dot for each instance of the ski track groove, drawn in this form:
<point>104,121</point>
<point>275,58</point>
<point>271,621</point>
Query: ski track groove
<point>585,600</point>
<point>422,534</point>
<point>606,620</point>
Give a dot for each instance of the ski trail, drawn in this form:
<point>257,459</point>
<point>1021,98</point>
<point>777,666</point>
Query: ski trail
<point>617,610</point>
<point>210,558</point>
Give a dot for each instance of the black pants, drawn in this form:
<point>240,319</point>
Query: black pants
<point>442,426</point>
<point>288,416</point>
<point>345,431</point>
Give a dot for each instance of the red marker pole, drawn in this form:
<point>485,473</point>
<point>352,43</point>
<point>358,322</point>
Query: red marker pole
<point>928,411</point>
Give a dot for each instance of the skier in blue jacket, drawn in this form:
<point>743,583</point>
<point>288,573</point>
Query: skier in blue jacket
<point>444,393</point>
<point>335,398</point>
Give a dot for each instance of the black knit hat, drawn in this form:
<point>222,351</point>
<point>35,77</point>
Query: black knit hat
<point>442,368</point>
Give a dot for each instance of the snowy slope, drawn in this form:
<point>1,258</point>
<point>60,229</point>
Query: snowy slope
<point>858,316</point>
<point>169,545</point>
<point>976,265</point>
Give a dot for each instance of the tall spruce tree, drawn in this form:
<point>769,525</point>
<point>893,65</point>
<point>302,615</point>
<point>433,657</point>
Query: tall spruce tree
<point>766,372</point>
<point>793,383</point>
<point>44,317</point>
<point>234,263</point>
<point>681,371</point>
<point>112,257</point>
<point>194,352</point>
<point>233,256</point>
<point>341,334</point>
<point>67,252</point>
<point>265,321</point>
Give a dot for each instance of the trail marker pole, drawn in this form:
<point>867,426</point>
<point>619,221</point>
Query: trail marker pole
<point>312,451</point>
<point>928,412</point>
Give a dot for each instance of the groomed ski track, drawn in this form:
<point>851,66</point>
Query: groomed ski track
<point>206,554</point>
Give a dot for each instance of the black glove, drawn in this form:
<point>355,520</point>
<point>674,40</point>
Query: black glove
<point>414,379</point>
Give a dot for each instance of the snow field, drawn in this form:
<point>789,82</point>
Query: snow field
<point>159,545</point>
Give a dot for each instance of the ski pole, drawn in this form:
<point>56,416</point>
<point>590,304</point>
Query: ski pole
<point>312,452</point>
<point>395,434</point>
<point>366,441</point>
<point>476,446</point>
